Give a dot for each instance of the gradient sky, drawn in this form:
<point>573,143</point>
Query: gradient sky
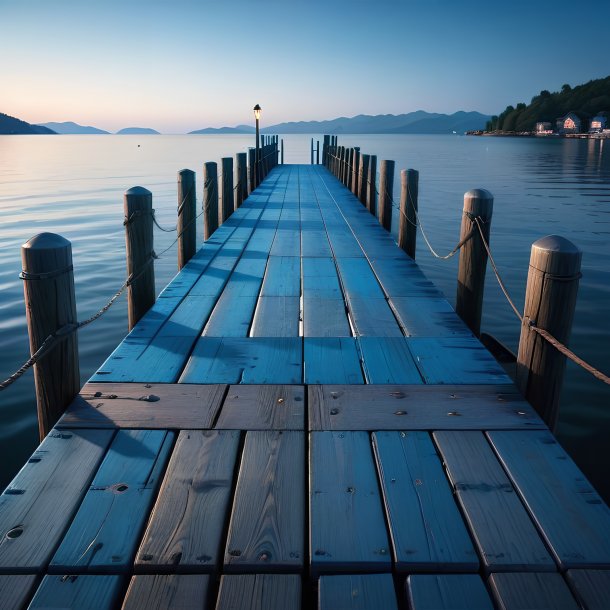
<point>182,65</point>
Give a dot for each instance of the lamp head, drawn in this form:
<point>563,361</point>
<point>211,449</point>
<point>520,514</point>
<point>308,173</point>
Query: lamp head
<point>257,112</point>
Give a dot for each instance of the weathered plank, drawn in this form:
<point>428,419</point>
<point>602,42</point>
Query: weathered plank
<point>185,529</point>
<point>325,317</point>
<point>85,592</point>
<point>372,317</point>
<point>252,360</point>
<point>546,477</point>
<point>16,590</point>
<point>347,527</point>
<point>521,591</point>
<point>501,528</point>
<point>263,407</point>
<point>401,277</point>
<point>358,279</point>
<point>52,482</point>
<point>428,317</point>
<point>282,277</point>
<point>388,360</point>
<point>419,407</point>
<point>591,587</point>
<point>267,522</point>
<point>357,592</point>
<point>426,527</point>
<point>159,592</point>
<point>136,405</point>
<point>331,360</point>
<point>106,530</point>
<point>260,591</point>
<point>276,317</point>
<point>232,316</point>
<point>447,592</point>
<point>320,279</point>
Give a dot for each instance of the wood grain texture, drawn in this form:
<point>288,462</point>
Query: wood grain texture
<point>276,317</point>
<point>16,590</point>
<point>546,477</point>
<point>590,587</point>
<point>419,407</point>
<point>331,360</point>
<point>282,277</point>
<point>159,592</point>
<point>325,317</point>
<point>426,527</point>
<point>401,277</point>
<point>388,360</point>
<point>447,592</point>
<point>52,482</point>
<point>185,528</point>
<point>106,530</point>
<point>372,317</point>
<point>428,317</point>
<point>137,405</point>
<point>320,279</point>
<point>85,592</point>
<point>263,407</point>
<point>259,592</point>
<point>357,592</point>
<point>347,526</point>
<point>501,528</point>
<point>543,591</point>
<point>267,523</point>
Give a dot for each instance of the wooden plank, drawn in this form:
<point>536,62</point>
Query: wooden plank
<point>388,360</point>
<point>267,523</point>
<point>372,317</point>
<point>501,528</point>
<point>85,592</point>
<point>325,317</point>
<point>426,527</point>
<point>358,279</point>
<point>447,592</point>
<point>419,407</point>
<point>232,316</point>
<point>106,530</point>
<point>189,317</point>
<point>347,526</point>
<point>185,529</point>
<point>263,407</point>
<point>546,477</point>
<point>331,360</point>
<point>320,279</point>
<point>428,317</point>
<point>276,317</point>
<point>136,405</point>
<point>357,592</point>
<point>590,587</point>
<point>542,591</point>
<point>282,277</point>
<point>248,360</point>
<point>52,482</point>
<point>16,590</point>
<point>260,591</point>
<point>455,360</point>
<point>159,592</point>
<point>401,277</point>
<point>314,241</point>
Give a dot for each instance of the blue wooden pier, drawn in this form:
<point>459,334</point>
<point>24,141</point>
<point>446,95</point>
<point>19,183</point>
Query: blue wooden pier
<point>302,421</point>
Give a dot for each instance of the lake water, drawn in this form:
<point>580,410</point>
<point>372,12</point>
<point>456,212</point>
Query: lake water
<point>73,185</point>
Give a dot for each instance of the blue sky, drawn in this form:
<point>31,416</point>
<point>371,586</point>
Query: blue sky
<point>183,65</point>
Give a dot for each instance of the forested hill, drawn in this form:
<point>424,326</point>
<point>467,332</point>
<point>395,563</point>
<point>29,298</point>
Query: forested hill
<point>10,125</point>
<point>585,100</point>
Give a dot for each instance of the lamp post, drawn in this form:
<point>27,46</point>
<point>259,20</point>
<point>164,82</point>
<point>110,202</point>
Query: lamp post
<point>257,116</point>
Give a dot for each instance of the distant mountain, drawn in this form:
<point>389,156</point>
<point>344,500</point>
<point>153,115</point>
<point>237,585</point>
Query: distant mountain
<point>10,125</point>
<point>222,130</point>
<point>68,127</point>
<point>140,131</point>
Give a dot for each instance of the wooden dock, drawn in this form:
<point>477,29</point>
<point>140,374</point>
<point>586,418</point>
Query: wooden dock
<point>302,421</point>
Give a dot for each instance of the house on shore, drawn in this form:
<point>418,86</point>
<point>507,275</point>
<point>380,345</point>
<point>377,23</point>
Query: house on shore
<point>598,123</point>
<point>570,123</point>
<point>544,128</point>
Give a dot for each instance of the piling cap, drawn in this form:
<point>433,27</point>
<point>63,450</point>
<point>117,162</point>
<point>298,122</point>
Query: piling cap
<point>556,255</point>
<point>46,241</point>
<point>137,191</point>
<point>479,202</point>
<point>46,253</point>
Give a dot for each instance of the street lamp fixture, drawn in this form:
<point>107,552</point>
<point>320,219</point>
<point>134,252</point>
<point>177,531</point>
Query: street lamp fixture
<point>257,116</point>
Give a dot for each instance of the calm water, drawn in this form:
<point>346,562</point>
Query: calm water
<point>73,185</point>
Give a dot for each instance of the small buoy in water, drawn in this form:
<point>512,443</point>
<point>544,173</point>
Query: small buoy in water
<point>138,146</point>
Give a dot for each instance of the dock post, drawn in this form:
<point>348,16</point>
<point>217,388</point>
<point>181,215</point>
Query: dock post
<point>550,300</point>
<point>140,254</point>
<point>355,166</point>
<point>363,176</point>
<point>318,152</point>
<point>186,227</point>
<point>386,191</point>
<point>371,198</point>
<point>311,152</point>
<point>252,168</point>
<point>241,170</point>
<point>228,203</point>
<point>325,151</point>
<point>282,151</point>
<point>210,199</point>
<point>50,306</point>
<point>407,219</point>
<point>478,203</point>
<point>349,153</point>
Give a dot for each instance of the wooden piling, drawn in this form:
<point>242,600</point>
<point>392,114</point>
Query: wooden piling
<point>550,300</point>
<point>50,305</point>
<point>386,193</point>
<point>407,219</point>
<point>228,204</point>
<point>363,176</point>
<point>241,171</point>
<point>355,166</point>
<point>139,244</point>
<point>371,197</point>
<point>325,145</point>
<point>282,151</point>
<point>318,152</point>
<point>187,212</point>
<point>252,169</point>
<point>478,203</point>
<point>210,198</point>
<point>311,152</point>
